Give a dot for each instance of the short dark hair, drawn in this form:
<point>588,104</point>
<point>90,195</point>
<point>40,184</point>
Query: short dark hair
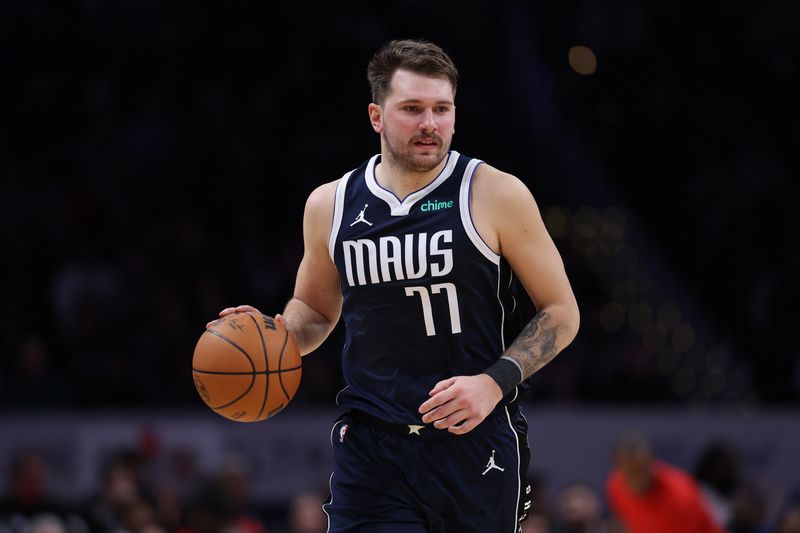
<point>420,57</point>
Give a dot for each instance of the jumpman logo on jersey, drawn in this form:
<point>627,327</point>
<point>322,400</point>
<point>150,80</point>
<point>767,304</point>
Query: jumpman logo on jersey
<point>360,218</point>
<point>491,465</point>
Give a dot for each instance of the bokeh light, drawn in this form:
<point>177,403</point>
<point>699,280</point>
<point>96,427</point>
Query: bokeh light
<point>640,316</point>
<point>612,317</point>
<point>683,338</point>
<point>654,337</point>
<point>713,382</point>
<point>557,221</point>
<point>683,382</point>
<point>625,292</point>
<point>582,60</point>
<point>668,360</point>
<point>669,315</point>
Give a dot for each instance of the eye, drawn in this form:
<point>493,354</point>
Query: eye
<point>442,109</point>
<point>411,108</point>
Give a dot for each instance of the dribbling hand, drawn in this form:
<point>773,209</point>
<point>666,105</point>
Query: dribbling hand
<point>244,309</point>
<point>460,403</point>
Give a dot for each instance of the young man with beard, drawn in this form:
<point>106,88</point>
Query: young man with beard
<point>416,249</point>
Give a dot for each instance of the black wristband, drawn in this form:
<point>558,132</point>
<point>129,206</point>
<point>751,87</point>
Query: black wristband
<point>506,374</point>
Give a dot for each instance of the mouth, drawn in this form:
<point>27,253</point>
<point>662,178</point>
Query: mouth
<point>426,143</point>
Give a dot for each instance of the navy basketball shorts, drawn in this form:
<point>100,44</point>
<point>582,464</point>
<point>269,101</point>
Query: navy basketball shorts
<point>403,479</point>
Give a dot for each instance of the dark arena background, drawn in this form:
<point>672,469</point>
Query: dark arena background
<point>155,158</point>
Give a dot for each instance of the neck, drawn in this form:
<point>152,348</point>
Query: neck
<point>401,180</point>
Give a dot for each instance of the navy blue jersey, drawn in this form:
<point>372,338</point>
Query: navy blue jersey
<point>425,298</point>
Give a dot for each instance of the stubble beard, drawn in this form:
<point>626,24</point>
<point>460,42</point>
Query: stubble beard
<point>406,160</point>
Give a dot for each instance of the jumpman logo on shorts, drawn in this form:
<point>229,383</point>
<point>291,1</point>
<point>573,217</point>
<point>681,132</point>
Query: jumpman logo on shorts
<point>360,218</point>
<point>491,465</point>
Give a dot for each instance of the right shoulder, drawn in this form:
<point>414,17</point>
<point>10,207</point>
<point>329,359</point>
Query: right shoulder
<point>318,216</point>
<point>322,198</point>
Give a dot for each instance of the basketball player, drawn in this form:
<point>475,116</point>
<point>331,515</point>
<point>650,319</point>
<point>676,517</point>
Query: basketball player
<point>416,249</point>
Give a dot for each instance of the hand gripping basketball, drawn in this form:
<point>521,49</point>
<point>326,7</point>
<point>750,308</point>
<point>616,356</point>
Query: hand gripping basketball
<point>246,366</point>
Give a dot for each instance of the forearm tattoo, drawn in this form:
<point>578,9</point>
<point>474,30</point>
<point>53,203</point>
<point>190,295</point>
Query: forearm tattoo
<point>536,345</point>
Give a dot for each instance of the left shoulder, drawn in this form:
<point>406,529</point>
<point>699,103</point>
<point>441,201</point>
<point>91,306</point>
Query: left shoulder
<point>503,209</point>
<point>500,190</point>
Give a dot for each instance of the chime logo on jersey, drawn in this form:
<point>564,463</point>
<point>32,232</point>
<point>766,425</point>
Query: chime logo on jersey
<point>397,258</point>
<point>436,205</point>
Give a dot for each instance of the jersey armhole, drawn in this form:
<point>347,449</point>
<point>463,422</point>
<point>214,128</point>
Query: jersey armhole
<point>338,207</point>
<point>466,213</point>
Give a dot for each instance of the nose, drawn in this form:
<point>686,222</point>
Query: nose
<point>428,121</point>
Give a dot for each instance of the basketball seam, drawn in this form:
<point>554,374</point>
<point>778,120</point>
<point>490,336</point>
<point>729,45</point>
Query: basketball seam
<point>280,378</point>
<point>266,366</point>
<point>280,360</point>
<point>247,373</point>
<point>252,381</point>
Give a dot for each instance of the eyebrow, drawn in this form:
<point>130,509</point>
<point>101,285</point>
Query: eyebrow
<point>417,100</point>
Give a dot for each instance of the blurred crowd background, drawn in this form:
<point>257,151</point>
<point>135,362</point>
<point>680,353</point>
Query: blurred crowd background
<point>155,159</point>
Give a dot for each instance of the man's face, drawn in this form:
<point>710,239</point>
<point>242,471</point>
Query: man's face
<point>416,121</point>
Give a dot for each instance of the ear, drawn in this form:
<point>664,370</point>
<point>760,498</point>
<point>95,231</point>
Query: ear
<point>376,117</point>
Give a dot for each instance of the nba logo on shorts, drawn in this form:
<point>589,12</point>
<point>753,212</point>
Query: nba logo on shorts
<point>342,431</point>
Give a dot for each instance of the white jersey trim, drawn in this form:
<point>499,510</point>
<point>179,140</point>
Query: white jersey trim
<point>330,490</point>
<point>397,207</point>
<point>330,483</point>
<point>502,313</point>
<point>519,479</point>
<point>338,209</point>
<point>466,215</point>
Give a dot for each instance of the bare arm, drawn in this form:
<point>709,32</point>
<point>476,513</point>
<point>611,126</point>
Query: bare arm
<point>537,344</point>
<point>314,309</point>
<point>507,218</point>
<point>523,240</point>
<point>525,243</point>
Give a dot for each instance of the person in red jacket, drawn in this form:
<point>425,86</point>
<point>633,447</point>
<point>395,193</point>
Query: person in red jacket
<point>650,496</point>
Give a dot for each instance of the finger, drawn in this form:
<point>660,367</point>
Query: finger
<point>279,318</point>
<point>440,398</point>
<point>465,426</point>
<point>437,413</point>
<point>215,321</point>
<point>231,310</point>
<point>453,419</point>
<point>442,385</point>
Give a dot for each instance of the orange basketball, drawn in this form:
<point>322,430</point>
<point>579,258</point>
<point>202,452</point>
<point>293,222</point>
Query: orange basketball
<point>246,367</point>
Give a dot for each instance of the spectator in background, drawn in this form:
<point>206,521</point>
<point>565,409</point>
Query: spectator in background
<point>789,520</point>
<point>717,472</point>
<point>213,509</point>
<point>650,496</point>
<point>139,516</point>
<point>47,523</point>
<point>579,511</point>
<point>749,510</point>
<point>30,494</point>
<point>32,382</point>
<point>306,515</point>
<point>29,507</point>
<point>234,481</point>
<point>539,519</point>
<point>536,523</point>
<point>120,498</point>
<point>208,510</point>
